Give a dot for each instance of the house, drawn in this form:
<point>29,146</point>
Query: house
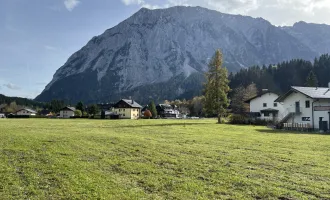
<point>127,109</point>
<point>263,106</point>
<point>67,112</point>
<point>26,112</point>
<point>2,115</point>
<point>167,111</point>
<point>307,106</point>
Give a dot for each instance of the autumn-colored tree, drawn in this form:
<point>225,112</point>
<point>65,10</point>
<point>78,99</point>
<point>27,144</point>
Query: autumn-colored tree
<point>147,114</point>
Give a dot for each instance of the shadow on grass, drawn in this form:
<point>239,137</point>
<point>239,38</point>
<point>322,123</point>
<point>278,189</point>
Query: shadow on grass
<point>163,125</point>
<point>270,131</point>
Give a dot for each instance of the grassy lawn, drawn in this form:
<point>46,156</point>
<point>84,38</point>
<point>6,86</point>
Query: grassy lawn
<point>159,159</point>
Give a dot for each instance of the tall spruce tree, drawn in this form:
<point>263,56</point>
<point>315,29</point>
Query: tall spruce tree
<point>216,88</point>
<point>311,80</point>
<point>153,109</point>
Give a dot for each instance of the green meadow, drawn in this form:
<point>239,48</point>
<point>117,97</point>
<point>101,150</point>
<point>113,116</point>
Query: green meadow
<point>159,159</point>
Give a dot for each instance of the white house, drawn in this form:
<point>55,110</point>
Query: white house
<point>67,112</point>
<point>264,106</point>
<point>307,105</point>
<point>26,112</point>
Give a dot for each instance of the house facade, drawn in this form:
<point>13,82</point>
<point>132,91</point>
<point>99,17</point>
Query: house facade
<point>308,106</point>
<point>167,111</point>
<point>263,106</point>
<point>26,112</point>
<point>127,109</point>
<point>67,112</point>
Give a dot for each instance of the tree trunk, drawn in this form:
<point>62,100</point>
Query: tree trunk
<point>219,118</point>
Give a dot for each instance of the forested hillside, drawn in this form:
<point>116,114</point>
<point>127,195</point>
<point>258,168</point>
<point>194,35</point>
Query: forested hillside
<point>279,78</point>
<point>19,101</point>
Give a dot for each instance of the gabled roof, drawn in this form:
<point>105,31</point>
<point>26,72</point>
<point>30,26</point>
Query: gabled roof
<point>312,92</point>
<point>259,95</point>
<point>27,109</point>
<point>131,103</point>
<point>69,108</point>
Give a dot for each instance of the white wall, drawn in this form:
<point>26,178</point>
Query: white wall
<point>25,112</point>
<point>66,114</point>
<point>256,105</point>
<point>290,104</point>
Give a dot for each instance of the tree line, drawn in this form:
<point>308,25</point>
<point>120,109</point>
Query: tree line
<point>279,78</point>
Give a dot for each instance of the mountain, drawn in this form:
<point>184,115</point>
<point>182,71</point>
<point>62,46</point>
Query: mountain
<point>315,36</point>
<point>162,54</point>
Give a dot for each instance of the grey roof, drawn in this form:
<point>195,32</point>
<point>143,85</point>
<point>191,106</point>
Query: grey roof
<point>259,95</point>
<point>27,109</point>
<point>312,92</point>
<point>70,108</point>
<point>132,103</point>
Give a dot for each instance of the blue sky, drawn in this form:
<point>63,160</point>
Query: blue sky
<point>38,36</point>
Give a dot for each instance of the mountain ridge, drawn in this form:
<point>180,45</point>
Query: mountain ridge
<point>155,47</point>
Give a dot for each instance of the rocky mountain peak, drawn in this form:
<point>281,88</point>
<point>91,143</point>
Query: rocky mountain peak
<point>163,53</point>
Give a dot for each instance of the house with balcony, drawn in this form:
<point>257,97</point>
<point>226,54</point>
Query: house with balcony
<point>263,106</point>
<point>306,107</point>
<point>127,109</point>
<point>167,111</point>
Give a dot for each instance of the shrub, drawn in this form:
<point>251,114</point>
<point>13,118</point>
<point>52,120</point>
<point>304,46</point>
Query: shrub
<point>238,119</point>
<point>78,113</point>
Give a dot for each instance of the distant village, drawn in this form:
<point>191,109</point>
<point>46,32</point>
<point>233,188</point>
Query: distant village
<point>123,109</point>
<point>300,108</point>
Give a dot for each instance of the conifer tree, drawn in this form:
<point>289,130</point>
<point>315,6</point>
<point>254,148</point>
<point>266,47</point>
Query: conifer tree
<point>216,88</point>
<point>311,80</point>
<point>153,109</point>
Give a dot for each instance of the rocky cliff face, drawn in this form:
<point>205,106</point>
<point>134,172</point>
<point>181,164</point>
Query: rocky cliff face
<point>162,54</point>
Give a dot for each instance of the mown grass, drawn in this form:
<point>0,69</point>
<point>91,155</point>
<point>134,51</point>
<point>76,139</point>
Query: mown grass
<point>159,159</point>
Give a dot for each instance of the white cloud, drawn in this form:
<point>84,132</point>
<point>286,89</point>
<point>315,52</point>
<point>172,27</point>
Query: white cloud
<point>71,4</point>
<point>276,11</point>
<point>11,86</point>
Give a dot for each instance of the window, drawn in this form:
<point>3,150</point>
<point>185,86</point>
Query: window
<point>308,104</point>
<point>124,115</point>
<point>266,114</point>
<point>275,104</point>
<point>124,110</point>
<point>119,110</point>
<point>265,105</point>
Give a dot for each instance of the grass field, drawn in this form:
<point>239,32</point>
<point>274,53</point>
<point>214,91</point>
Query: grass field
<point>159,159</point>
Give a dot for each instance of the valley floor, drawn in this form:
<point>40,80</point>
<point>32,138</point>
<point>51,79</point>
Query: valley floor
<point>159,159</point>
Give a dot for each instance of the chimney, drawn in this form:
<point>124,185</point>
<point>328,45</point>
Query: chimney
<point>264,90</point>
<point>329,85</point>
<point>132,101</point>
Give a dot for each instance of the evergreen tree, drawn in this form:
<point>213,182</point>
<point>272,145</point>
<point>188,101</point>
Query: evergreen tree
<point>311,80</point>
<point>80,106</point>
<point>93,109</point>
<point>216,88</point>
<point>153,109</point>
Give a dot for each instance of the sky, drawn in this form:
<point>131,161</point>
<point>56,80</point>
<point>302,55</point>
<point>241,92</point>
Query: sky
<point>38,36</point>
